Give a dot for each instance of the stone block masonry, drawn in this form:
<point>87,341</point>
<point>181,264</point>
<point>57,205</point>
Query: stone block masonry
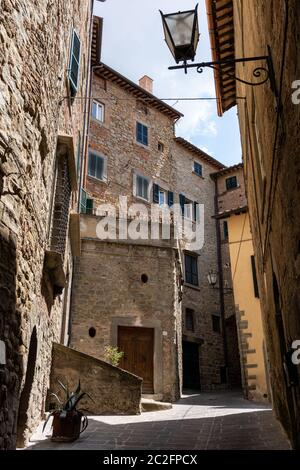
<point>113,390</point>
<point>35,41</point>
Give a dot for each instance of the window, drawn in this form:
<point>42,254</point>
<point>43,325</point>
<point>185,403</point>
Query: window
<point>141,133</point>
<point>189,319</point>
<point>161,196</point>
<point>225,230</point>
<point>96,166</point>
<point>216,323</point>
<point>160,147</point>
<point>142,187</point>
<point>98,111</point>
<point>231,183</point>
<point>191,269</point>
<point>198,168</point>
<point>74,63</point>
<point>189,209</point>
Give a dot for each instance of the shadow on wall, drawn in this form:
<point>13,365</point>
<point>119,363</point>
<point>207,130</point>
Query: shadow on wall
<point>10,364</point>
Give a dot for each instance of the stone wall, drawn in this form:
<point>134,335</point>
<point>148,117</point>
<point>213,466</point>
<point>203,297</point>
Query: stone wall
<point>270,141</point>
<point>113,390</point>
<point>109,292</point>
<point>34,44</point>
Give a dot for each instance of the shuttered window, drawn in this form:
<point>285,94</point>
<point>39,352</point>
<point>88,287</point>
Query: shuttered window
<point>96,166</point>
<point>191,270</point>
<point>74,63</point>
<point>142,187</point>
<point>141,133</point>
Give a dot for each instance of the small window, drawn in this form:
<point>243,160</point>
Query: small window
<point>160,147</point>
<point>254,277</point>
<point>74,63</point>
<point>96,166</point>
<point>189,319</point>
<point>98,111</point>
<point>216,323</point>
<point>191,269</point>
<point>141,133</point>
<point>225,230</point>
<point>198,168</point>
<point>231,183</point>
<point>92,332</point>
<point>188,209</point>
<point>142,187</point>
<point>163,197</point>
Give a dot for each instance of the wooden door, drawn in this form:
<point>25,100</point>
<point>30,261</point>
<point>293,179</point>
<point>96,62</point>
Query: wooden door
<point>138,347</point>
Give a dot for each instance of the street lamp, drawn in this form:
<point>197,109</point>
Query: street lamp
<point>181,31</point>
<point>212,278</point>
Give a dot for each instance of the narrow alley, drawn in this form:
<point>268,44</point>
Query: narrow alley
<point>205,421</point>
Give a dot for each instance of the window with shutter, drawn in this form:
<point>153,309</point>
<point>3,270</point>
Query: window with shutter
<point>141,133</point>
<point>96,167</point>
<point>142,187</point>
<point>182,202</point>
<point>74,63</point>
<point>191,270</point>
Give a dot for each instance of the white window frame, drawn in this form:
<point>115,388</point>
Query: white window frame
<point>135,186</point>
<point>99,105</point>
<point>104,158</point>
<point>165,193</point>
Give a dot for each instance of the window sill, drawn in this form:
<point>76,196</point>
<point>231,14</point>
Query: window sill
<point>199,176</point>
<point>232,189</point>
<point>142,199</point>
<point>97,121</point>
<point>145,147</point>
<point>93,178</point>
<point>191,286</point>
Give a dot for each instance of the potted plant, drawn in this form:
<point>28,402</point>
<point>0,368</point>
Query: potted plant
<point>68,421</point>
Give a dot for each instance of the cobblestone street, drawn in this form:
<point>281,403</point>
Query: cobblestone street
<point>197,421</point>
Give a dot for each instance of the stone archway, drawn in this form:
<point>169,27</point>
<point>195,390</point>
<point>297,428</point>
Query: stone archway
<point>26,392</point>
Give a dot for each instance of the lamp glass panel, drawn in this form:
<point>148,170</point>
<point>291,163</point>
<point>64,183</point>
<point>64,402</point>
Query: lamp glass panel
<point>181,27</point>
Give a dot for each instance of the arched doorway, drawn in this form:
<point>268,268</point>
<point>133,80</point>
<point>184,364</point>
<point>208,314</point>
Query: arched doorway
<point>26,392</point>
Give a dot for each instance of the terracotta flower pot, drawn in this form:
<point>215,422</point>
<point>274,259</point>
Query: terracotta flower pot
<point>69,427</point>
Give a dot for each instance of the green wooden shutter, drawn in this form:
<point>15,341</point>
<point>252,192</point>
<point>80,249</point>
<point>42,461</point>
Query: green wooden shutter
<point>83,201</point>
<point>170,198</point>
<point>89,206</point>
<point>74,63</point>
<point>156,193</point>
<point>182,202</point>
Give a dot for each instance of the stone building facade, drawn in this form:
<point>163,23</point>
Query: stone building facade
<point>234,219</point>
<point>42,134</point>
<point>146,294</point>
<point>269,120</point>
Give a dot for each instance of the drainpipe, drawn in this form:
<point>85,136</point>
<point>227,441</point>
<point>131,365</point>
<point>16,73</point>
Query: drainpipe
<point>221,281</point>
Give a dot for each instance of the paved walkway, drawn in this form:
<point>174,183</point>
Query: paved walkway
<point>197,421</point>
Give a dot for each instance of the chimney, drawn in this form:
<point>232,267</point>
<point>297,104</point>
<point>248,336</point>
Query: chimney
<point>146,83</point>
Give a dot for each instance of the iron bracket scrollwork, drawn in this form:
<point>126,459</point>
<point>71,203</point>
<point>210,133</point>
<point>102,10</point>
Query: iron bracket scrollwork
<point>264,73</point>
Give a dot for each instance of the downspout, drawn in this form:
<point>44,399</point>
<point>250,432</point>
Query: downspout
<point>221,281</point>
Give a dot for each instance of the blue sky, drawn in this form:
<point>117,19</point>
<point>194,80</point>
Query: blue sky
<point>133,44</point>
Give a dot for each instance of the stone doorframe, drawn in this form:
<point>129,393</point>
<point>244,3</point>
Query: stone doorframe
<point>158,355</point>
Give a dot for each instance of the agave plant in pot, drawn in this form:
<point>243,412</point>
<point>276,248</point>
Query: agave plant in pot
<point>68,421</point>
